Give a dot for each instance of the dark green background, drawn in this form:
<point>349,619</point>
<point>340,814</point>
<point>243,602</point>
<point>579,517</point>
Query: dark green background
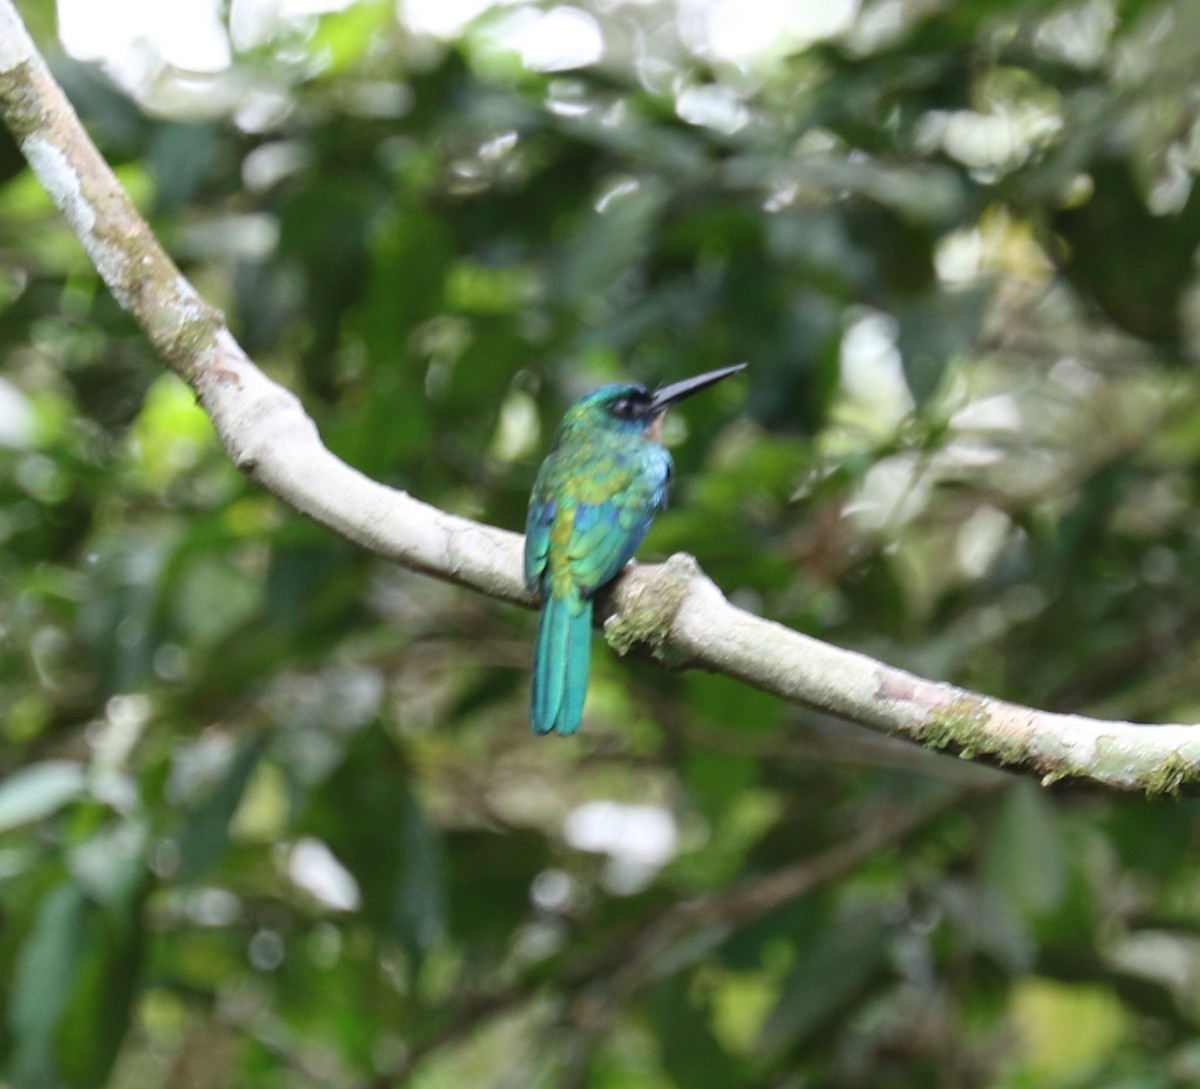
<point>996,197</point>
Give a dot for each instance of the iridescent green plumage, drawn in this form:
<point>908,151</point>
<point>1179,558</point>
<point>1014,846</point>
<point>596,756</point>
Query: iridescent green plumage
<point>593,501</point>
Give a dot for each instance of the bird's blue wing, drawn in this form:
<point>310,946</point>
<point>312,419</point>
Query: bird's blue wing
<point>605,537</point>
<point>537,537</point>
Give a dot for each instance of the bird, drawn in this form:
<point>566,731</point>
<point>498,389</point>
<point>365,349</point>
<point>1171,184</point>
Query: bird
<point>605,478</point>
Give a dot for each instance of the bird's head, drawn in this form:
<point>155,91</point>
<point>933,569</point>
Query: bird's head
<point>629,408</point>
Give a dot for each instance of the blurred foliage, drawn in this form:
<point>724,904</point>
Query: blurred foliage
<point>271,813</point>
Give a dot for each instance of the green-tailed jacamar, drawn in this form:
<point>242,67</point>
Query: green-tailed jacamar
<point>595,496</point>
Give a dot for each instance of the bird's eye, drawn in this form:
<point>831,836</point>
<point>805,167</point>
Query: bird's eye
<point>623,407</point>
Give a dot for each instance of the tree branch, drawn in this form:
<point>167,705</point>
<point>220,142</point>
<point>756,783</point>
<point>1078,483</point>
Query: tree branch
<point>672,608</point>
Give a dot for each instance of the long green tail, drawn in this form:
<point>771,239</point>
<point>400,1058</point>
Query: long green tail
<point>561,657</point>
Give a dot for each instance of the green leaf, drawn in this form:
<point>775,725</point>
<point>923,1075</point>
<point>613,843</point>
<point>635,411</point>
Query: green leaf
<point>46,970</point>
<point>827,978</point>
<point>610,242</point>
<point>97,1018</point>
<point>205,834</point>
<point>344,36</point>
<point>936,328</point>
<point>691,1053</point>
<point>110,867</point>
<point>38,790</point>
<point>421,897</point>
<point>104,986</point>
<point>367,813</point>
<point>1025,862</point>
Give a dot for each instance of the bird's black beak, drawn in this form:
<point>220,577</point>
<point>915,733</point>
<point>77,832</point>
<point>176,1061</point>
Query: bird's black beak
<point>662,399</point>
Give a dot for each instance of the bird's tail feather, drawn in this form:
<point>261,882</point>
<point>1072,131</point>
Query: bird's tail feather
<point>561,658</point>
